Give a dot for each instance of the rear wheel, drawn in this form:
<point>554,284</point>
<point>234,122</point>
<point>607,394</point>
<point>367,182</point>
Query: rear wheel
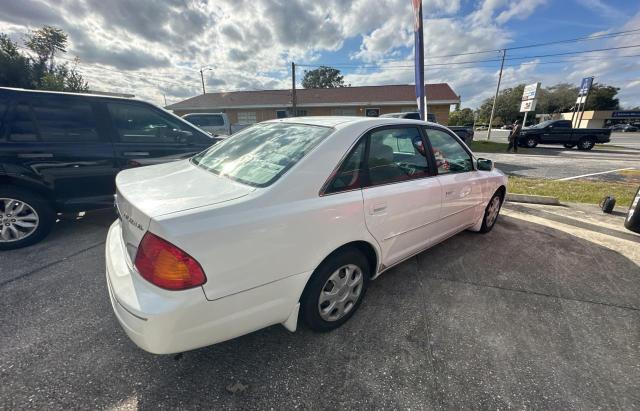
<point>530,142</point>
<point>26,218</point>
<point>491,213</point>
<point>586,143</point>
<point>569,145</point>
<point>335,290</point>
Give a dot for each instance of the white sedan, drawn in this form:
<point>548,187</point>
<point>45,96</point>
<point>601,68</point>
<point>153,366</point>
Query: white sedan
<point>287,218</point>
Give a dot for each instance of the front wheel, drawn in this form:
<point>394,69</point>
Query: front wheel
<point>335,290</point>
<point>26,218</point>
<point>530,142</point>
<point>491,213</point>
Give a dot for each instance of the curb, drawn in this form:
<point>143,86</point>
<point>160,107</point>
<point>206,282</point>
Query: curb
<point>531,199</point>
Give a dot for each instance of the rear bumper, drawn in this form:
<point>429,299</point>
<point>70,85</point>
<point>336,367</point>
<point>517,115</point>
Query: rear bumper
<point>165,322</point>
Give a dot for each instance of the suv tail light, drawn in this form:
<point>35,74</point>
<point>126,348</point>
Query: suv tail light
<point>165,265</point>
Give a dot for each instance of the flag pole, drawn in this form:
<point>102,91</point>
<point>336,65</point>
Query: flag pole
<point>421,98</point>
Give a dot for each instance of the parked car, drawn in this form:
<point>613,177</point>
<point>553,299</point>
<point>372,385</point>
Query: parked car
<point>310,209</point>
<point>507,127</point>
<point>482,127</point>
<point>60,152</point>
<point>465,133</point>
<point>412,115</point>
<point>561,132</point>
<point>628,128</point>
<point>216,124</point>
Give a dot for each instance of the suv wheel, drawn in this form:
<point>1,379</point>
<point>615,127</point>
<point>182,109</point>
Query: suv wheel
<point>26,218</point>
<point>586,143</point>
<point>335,290</point>
<point>531,142</point>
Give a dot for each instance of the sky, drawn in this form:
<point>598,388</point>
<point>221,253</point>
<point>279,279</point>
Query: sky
<point>155,49</point>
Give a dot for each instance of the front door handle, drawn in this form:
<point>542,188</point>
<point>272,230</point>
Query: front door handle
<point>378,208</point>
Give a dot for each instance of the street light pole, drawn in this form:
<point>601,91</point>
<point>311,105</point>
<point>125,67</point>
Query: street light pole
<point>202,70</point>
<point>493,107</point>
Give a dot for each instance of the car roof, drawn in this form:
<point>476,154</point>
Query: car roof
<point>344,121</point>
<point>65,93</point>
<point>202,114</point>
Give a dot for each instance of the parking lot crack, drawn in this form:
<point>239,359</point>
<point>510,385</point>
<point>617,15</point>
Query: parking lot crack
<point>518,290</point>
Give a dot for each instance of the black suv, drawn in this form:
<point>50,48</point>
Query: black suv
<point>60,152</point>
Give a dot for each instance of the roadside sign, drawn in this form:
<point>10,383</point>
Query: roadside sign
<point>623,114</point>
<point>585,86</point>
<point>530,91</point>
<point>528,105</point>
<point>581,99</point>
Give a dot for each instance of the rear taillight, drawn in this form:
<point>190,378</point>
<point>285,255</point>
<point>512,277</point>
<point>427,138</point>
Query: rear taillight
<point>165,265</point>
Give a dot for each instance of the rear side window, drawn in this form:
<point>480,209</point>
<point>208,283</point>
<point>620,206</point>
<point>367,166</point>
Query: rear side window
<point>22,127</point>
<point>63,119</point>
<point>563,124</point>
<point>136,123</point>
<point>350,174</point>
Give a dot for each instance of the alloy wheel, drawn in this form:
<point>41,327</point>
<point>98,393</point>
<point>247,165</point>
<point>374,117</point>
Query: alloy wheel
<point>340,292</point>
<point>19,220</point>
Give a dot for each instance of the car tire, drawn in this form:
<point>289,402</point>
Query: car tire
<point>530,142</point>
<point>569,145</point>
<point>586,144</point>
<point>321,293</point>
<point>26,218</point>
<point>491,212</point>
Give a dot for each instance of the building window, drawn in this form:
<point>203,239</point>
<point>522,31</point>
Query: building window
<point>301,112</point>
<point>281,114</point>
<point>344,112</point>
<point>247,117</point>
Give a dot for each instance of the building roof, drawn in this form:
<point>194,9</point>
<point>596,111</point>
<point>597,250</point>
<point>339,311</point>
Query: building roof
<point>440,93</point>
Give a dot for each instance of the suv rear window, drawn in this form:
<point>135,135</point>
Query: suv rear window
<point>259,155</point>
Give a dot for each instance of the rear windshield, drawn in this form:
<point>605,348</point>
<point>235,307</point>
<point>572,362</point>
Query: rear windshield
<point>260,154</point>
<point>202,120</point>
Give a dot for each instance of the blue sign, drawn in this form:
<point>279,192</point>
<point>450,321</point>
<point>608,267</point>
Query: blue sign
<point>585,86</point>
<point>625,114</point>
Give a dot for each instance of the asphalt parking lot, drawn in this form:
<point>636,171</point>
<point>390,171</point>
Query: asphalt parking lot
<point>543,312</point>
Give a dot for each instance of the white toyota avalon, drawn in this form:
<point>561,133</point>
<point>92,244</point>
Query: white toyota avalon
<point>287,218</point>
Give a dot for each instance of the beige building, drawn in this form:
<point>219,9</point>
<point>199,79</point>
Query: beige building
<point>604,118</point>
<point>247,107</point>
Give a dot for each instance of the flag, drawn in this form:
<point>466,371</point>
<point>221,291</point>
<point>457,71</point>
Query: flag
<point>419,57</point>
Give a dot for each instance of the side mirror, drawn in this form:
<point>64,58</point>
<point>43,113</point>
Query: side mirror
<point>484,164</point>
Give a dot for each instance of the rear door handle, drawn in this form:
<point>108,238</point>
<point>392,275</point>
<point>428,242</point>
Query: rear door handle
<point>136,153</point>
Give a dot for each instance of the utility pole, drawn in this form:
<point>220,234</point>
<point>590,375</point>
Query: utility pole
<point>202,78</point>
<point>293,90</point>
<point>493,107</point>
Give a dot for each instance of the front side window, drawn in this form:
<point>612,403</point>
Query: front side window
<point>259,155</point>
<point>450,156</point>
<point>136,123</point>
<point>396,154</point>
<point>63,119</point>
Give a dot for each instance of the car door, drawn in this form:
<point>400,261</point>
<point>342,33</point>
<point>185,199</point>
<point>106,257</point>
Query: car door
<point>58,140</point>
<point>556,132</point>
<point>401,196</point>
<point>461,182</point>
<point>145,135</point>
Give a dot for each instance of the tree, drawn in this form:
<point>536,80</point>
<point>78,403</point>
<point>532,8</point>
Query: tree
<point>559,98</point>
<point>602,97</point>
<point>41,71</point>
<point>46,42</point>
<point>507,106</point>
<point>323,77</point>
<point>461,117</point>
<point>15,70</point>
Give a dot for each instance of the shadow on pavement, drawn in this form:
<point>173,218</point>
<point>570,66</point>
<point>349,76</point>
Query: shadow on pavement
<point>525,316</point>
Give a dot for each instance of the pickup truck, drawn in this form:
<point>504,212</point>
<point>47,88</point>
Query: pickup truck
<point>216,124</point>
<point>465,133</point>
<point>561,132</point>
